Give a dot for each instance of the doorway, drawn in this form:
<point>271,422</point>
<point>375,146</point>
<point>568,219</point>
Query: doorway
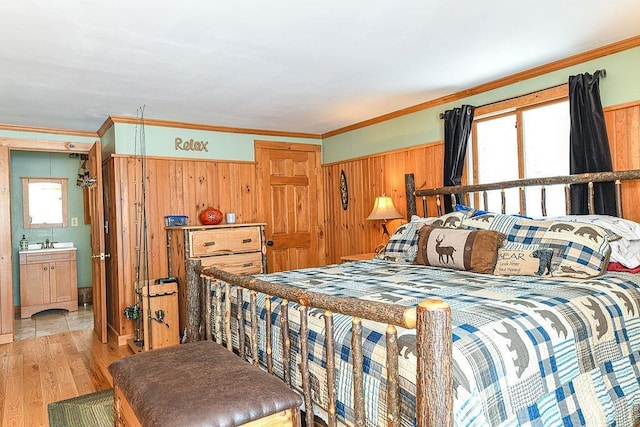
<point>8,242</point>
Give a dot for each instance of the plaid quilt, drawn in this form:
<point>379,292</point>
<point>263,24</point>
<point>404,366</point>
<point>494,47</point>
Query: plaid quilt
<point>526,351</point>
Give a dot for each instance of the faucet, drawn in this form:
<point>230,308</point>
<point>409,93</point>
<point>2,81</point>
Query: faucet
<point>47,245</point>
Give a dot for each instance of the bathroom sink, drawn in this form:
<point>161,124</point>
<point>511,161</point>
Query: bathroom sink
<point>63,245</point>
<point>36,247</point>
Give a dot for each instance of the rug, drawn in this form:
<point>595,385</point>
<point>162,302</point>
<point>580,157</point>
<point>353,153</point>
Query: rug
<point>93,409</point>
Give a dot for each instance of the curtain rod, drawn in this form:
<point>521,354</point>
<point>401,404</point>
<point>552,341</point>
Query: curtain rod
<point>603,73</point>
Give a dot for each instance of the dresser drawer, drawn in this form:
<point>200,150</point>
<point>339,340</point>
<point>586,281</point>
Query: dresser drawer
<point>210,242</point>
<point>249,263</point>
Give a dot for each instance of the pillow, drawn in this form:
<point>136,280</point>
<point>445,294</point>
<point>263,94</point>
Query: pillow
<point>626,252</point>
<point>620,227</point>
<point>579,251</point>
<point>403,244</point>
<point>526,260</point>
<point>450,220</point>
<point>473,250</point>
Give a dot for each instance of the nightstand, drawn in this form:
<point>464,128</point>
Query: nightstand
<point>358,257</point>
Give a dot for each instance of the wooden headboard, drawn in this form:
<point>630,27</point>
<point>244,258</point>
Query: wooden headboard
<point>481,190</point>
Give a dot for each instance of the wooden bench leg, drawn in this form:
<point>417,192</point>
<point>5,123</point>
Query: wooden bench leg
<point>289,417</point>
<point>124,415</point>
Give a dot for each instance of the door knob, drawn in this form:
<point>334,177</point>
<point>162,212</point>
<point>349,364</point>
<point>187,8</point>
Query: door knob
<point>101,256</point>
<point>269,242</point>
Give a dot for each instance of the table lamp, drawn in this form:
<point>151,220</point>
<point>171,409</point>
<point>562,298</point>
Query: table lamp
<point>383,209</point>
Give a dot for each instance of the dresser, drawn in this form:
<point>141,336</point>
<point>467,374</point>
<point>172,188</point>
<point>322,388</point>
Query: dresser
<point>48,279</point>
<point>238,248</point>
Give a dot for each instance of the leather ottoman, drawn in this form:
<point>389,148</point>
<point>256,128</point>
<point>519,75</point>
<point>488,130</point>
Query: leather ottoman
<point>199,384</point>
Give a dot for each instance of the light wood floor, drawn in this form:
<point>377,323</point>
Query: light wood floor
<point>37,371</point>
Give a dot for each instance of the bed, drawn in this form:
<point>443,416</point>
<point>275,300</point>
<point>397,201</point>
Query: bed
<point>431,345</point>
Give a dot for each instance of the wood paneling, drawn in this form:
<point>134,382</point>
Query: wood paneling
<point>623,130</point>
<point>173,187</point>
<point>348,232</point>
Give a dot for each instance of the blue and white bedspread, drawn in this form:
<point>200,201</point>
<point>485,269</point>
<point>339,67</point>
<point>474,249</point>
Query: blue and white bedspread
<point>526,350</point>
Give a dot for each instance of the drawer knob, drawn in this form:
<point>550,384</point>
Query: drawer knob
<point>247,264</point>
<point>246,240</point>
<point>209,243</point>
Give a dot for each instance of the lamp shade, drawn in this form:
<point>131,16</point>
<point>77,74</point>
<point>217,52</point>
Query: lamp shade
<point>383,209</point>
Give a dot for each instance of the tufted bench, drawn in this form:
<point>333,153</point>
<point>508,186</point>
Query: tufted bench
<point>199,383</point>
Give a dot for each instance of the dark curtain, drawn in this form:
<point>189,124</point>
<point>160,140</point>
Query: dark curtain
<point>457,128</point>
<point>589,144</point>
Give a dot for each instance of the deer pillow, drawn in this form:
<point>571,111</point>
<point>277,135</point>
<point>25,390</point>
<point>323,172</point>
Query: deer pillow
<point>459,249</point>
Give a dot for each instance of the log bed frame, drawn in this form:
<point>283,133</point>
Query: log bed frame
<point>207,317</point>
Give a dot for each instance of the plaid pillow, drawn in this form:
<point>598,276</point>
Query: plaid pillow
<point>579,250</point>
<point>402,246</point>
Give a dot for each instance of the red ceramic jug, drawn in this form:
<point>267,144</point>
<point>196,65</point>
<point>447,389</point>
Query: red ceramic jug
<point>210,216</point>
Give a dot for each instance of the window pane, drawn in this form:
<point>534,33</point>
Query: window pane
<point>498,158</point>
<point>546,153</point>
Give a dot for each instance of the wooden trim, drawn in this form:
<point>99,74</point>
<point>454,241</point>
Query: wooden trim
<point>212,128</point>
<point>385,153</point>
<point>108,123</point>
<point>18,128</point>
<point>528,100</point>
<point>6,250</point>
<point>182,159</point>
<point>290,146</point>
<point>622,106</point>
<point>45,145</point>
<point>505,81</point>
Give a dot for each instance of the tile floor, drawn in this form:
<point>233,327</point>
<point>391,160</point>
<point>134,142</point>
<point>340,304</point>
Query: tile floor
<point>51,322</point>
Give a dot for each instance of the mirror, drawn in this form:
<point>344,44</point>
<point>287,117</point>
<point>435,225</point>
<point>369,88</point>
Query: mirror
<point>44,202</point>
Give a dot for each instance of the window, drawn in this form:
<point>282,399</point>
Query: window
<point>527,141</point>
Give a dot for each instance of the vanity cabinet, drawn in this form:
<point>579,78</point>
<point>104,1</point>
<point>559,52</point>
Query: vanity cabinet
<point>48,279</point>
<point>238,248</point>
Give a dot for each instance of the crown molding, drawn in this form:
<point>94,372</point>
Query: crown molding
<point>213,128</point>
<point>505,81</point>
<point>18,128</point>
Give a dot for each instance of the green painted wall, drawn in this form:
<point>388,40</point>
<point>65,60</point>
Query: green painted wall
<point>621,85</point>
<point>51,165</point>
<point>161,141</point>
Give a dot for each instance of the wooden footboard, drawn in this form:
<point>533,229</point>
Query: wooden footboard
<point>208,317</point>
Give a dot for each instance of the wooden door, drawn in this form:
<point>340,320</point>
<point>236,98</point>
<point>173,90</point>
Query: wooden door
<point>290,182</point>
<point>97,243</point>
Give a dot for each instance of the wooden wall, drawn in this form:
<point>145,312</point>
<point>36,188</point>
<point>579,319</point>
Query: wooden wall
<point>623,129</point>
<point>348,232</point>
<point>173,187</point>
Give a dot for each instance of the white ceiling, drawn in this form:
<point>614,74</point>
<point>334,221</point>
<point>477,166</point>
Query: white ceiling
<point>289,65</point>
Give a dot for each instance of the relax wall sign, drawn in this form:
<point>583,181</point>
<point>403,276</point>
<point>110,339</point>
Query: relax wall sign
<point>191,145</point>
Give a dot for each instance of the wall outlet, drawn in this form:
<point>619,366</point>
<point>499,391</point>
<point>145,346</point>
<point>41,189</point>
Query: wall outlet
<point>74,221</point>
